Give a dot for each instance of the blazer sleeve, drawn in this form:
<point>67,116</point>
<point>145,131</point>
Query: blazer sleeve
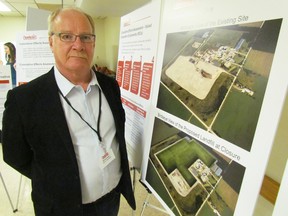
<point>16,151</point>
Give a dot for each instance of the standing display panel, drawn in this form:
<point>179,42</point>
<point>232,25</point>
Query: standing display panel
<point>220,83</point>
<point>34,56</point>
<point>5,79</point>
<point>5,86</point>
<point>135,74</point>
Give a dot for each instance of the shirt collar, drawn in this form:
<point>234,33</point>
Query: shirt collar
<point>66,86</point>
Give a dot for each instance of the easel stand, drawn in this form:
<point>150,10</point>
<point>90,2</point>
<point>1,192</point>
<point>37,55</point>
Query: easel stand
<point>9,198</point>
<point>133,169</point>
<point>147,204</point>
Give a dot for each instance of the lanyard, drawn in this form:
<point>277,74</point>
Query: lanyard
<point>77,112</point>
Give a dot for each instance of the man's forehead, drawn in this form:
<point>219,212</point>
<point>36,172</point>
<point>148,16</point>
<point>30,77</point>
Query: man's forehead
<point>69,17</point>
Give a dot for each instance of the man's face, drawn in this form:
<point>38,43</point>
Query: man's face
<point>74,56</point>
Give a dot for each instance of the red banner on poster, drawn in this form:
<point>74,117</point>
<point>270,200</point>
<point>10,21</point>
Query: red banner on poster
<point>146,80</point>
<point>136,71</point>
<point>127,75</point>
<point>119,75</point>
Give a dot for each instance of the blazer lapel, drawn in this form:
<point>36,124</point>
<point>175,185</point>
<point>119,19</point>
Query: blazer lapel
<point>108,90</point>
<point>54,109</point>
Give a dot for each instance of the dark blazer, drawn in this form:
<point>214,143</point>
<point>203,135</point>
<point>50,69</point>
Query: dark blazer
<point>36,142</point>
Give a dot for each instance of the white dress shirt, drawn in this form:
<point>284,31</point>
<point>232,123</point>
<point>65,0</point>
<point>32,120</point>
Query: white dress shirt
<point>95,180</point>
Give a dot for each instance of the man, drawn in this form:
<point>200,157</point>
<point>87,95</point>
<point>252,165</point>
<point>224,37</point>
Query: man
<point>65,129</point>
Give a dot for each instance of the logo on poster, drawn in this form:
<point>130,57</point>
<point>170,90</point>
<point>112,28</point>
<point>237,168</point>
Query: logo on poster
<point>30,37</point>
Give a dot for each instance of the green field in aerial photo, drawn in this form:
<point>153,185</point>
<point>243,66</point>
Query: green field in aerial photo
<point>190,177</point>
<point>216,78</point>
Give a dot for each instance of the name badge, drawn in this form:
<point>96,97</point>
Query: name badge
<point>106,158</point>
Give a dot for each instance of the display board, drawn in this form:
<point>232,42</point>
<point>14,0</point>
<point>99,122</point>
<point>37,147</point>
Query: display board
<point>5,86</point>
<point>34,56</point>
<point>136,72</point>
<point>36,19</point>
<point>219,88</point>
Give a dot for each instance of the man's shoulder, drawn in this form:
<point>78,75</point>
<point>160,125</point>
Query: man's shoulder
<point>103,79</point>
<point>100,75</point>
<point>38,82</point>
<point>34,88</point>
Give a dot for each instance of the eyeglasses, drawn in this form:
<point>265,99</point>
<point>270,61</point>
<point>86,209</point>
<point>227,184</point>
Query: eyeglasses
<point>68,37</point>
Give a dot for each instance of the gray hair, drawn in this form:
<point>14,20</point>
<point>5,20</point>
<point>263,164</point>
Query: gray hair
<point>55,13</point>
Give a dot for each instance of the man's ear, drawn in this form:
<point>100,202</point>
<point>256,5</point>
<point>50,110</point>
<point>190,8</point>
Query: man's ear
<point>51,43</point>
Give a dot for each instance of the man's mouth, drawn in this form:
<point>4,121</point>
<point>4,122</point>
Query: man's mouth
<point>78,55</point>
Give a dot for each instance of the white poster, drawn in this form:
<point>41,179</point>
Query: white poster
<point>34,56</point>
<point>219,89</point>
<point>136,71</point>
<point>5,86</point>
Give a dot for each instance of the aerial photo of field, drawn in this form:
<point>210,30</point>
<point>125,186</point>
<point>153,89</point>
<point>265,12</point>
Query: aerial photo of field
<point>216,78</point>
<point>190,177</point>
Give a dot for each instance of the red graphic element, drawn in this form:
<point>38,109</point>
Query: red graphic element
<point>127,75</point>
<point>133,107</point>
<point>136,71</point>
<point>146,80</point>
<point>4,81</point>
<point>119,75</point>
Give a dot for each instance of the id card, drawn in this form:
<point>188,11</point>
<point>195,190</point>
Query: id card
<point>106,158</point>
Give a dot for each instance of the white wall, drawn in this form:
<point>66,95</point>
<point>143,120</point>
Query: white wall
<point>100,49</point>
<point>107,42</point>
<point>112,32</point>
<point>10,26</point>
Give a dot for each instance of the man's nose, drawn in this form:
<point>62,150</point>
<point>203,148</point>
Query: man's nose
<point>78,44</point>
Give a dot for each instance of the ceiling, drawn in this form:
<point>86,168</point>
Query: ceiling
<point>98,9</point>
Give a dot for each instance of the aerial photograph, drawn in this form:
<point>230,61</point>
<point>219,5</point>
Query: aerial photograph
<point>190,177</point>
<point>216,78</point>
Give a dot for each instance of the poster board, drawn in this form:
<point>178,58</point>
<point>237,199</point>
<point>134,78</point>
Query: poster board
<point>34,56</point>
<point>218,95</point>
<point>135,73</point>
<point>5,86</point>
<point>36,19</point>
